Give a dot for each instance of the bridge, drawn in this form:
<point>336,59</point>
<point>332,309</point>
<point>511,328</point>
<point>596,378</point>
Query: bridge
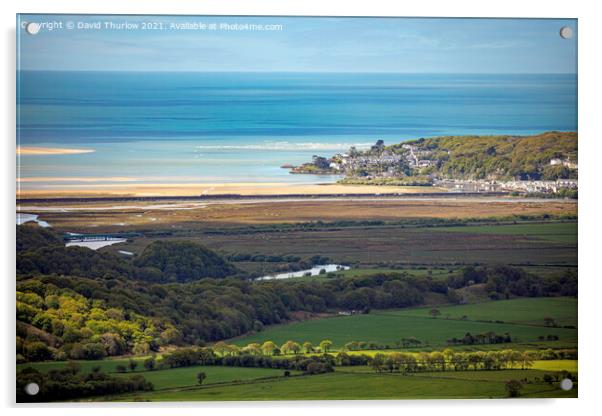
<point>98,237</point>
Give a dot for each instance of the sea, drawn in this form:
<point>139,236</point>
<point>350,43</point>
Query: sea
<point>159,127</point>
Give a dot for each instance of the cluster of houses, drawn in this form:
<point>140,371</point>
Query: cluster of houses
<point>386,164</point>
<point>380,162</point>
<point>541,186</point>
<point>566,163</point>
<point>416,158</point>
<point>458,185</point>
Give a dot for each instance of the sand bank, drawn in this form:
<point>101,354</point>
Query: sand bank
<point>98,190</point>
<point>30,150</point>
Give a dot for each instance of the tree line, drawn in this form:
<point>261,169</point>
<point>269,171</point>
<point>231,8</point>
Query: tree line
<point>71,383</point>
<point>396,361</point>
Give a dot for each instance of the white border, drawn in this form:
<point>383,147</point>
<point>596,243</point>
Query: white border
<point>590,153</point>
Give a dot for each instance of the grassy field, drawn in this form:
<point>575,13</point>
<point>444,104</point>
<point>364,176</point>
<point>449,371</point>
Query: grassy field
<point>530,311</point>
<point>186,376</point>
<point>107,365</point>
<point>171,377</point>
<point>387,327</point>
<point>347,383</point>
<point>342,385</point>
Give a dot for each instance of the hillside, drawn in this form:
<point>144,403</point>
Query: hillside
<point>547,156</point>
<point>41,251</point>
<point>500,157</point>
<point>183,261</point>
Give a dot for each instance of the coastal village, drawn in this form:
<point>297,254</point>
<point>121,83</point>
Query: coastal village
<point>383,165</point>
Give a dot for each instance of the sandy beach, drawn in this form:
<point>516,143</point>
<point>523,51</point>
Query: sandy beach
<point>30,150</point>
<point>247,189</point>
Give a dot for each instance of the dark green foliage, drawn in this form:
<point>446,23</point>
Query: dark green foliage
<point>69,383</point>
<point>79,261</point>
<point>207,310</point>
<point>32,237</point>
<point>502,281</point>
<point>200,377</point>
<point>42,252</point>
<point>183,261</point>
<point>150,363</point>
<point>513,387</point>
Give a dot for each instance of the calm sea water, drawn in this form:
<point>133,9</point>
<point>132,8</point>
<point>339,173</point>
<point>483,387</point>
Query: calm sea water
<point>241,127</point>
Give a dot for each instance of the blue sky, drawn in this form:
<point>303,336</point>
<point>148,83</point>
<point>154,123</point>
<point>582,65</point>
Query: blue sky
<point>304,44</point>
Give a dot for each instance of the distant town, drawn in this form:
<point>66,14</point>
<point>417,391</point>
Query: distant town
<point>425,162</point>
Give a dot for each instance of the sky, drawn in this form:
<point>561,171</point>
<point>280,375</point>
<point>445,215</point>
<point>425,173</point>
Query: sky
<point>401,45</point>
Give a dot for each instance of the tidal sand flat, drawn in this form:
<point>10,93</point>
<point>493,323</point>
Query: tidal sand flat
<point>31,150</point>
<point>198,189</point>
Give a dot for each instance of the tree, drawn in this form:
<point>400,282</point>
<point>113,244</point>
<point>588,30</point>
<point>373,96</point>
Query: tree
<point>221,347</point>
<point>308,347</point>
<point>150,363</point>
<point>120,368</point>
<point>133,364</point>
<point>200,377</point>
<point>232,349</point>
<point>37,351</point>
<point>268,348</point>
<point>434,313</point>
<point>253,349</point>
<point>351,346</point>
<point>549,321</point>
<point>448,356</point>
<point>290,347</point>
<point>513,387</point>
<point>526,361</point>
<point>325,345</point>
<point>378,362</point>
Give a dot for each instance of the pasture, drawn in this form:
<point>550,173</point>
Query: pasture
<point>186,376</point>
<point>343,385</point>
<point>521,318</point>
<point>529,311</point>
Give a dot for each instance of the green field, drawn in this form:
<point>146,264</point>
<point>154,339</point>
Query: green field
<point>357,385</point>
<point>531,311</point>
<point>348,383</point>
<point>387,327</point>
<point>107,365</point>
<point>186,376</point>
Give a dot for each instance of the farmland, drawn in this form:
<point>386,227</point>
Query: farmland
<point>388,327</point>
<point>416,244</point>
<point>516,311</point>
<point>169,378</point>
<point>342,385</point>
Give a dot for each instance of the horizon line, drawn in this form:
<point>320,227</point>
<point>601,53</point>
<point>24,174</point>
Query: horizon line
<point>296,72</point>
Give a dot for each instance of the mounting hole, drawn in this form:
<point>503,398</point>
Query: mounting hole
<point>566,384</point>
<point>566,32</point>
<point>32,389</point>
<point>33,28</point>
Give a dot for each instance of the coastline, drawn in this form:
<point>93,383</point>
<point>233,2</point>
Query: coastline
<point>33,151</point>
<point>245,189</point>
